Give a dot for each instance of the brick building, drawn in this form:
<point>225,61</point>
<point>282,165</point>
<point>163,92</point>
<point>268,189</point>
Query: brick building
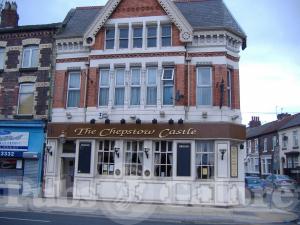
<point>147,104</point>
<point>25,78</point>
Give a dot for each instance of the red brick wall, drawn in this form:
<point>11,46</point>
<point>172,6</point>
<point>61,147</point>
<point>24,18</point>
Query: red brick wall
<point>60,89</point>
<point>100,39</point>
<point>138,8</point>
<point>193,83</point>
<point>235,90</point>
<point>180,83</point>
<point>176,36</point>
<point>219,73</point>
<point>82,88</point>
<point>93,84</point>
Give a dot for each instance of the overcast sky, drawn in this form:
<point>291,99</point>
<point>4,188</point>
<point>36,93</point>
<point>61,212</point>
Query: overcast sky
<point>269,67</point>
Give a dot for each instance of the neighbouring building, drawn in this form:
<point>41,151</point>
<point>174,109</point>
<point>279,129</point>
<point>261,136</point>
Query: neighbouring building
<point>267,147</point>
<point>289,136</point>
<point>146,104</point>
<point>25,75</point>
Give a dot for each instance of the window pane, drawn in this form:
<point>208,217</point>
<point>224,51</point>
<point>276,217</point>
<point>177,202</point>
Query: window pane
<point>124,43</point>
<point>168,95</point>
<point>137,42</point>
<point>110,33</point>
<point>137,37</point>
<point>2,52</point>
<point>152,76</point>
<point>124,33</point>
<point>151,96</point>
<point>74,80</point>
<point>204,96</point>
<point>104,78</point>
<point>35,57</point>
<point>26,88</point>
<point>151,31</point>
<point>110,44</point>
<point>119,96</point>
<point>166,41</point>
<point>166,35</point>
<point>151,42</point>
<point>135,96</point>
<point>26,58</point>
<point>73,98</point>
<point>204,76</point>
<point>103,96</point>
<point>120,78</point>
<point>135,76</point>
<point>138,32</point>
<point>168,74</point>
<point>26,104</point>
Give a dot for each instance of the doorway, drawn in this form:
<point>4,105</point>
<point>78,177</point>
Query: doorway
<point>67,177</point>
<point>183,160</point>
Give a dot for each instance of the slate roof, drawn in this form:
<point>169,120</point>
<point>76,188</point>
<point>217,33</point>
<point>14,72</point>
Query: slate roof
<point>77,21</point>
<point>30,28</point>
<point>201,14</point>
<point>295,121</point>
<point>274,126</point>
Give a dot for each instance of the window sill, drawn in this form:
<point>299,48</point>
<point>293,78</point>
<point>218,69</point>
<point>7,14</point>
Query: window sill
<point>29,69</point>
<point>296,147</point>
<point>23,117</point>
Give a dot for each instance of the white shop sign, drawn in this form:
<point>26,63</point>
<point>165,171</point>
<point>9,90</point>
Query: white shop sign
<point>13,141</point>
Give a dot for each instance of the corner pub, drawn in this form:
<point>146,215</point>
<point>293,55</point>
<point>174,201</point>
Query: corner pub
<point>146,105</point>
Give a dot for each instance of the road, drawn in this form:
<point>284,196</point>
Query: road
<point>38,218</point>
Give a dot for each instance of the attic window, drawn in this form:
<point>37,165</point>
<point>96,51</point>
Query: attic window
<point>89,40</point>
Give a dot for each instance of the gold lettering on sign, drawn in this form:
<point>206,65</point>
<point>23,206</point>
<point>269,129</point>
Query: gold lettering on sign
<point>168,132</point>
<point>85,131</point>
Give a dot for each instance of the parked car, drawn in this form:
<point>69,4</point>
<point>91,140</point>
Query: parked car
<point>254,186</point>
<point>280,183</point>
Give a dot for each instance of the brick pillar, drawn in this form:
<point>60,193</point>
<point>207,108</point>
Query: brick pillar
<point>180,83</point>
<point>219,72</point>
<point>193,85</point>
<point>60,89</point>
<point>93,86</point>
<point>235,89</point>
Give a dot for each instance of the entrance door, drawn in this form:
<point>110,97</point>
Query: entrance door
<point>183,160</point>
<point>67,177</point>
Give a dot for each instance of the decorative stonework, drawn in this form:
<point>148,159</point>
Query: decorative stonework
<point>72,60</point>
<point>25,79</point>
<point>70,45</point>
<point>213,54</point>
<point>42,84</point>
<point>170,8</point>
<point>31,41</point>
<point>14,48</point>
<point>41,46</point>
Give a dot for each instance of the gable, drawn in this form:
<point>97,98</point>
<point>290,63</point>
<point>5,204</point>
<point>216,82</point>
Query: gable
<point>138,8</point>
<point>134,8</point>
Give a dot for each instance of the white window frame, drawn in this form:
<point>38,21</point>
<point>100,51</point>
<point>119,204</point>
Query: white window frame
<point>103,87</point>
<point>229,87</point>
<point>119,86</point>
<point>207,153</point>
<point>274,143</point>
<point>2,58</point>
<point>295,139</point>
<point>256,145</point>
<point>30,48</point>
<point>204,86</point>
<point>265,145</point>
<point>166,152</point>
<point>134,38</point>
<point>110,39</point>
<point>110,151</point>
<point>20,93</point>
<point>151,37</point>
<point>140,151</point>
<point>163,25</point>
<point>135,85</point>
<point>121,39</point>
<point>151,85</point>
<point>166,84</point>
<point>73,89</point>
<point>249,146</point>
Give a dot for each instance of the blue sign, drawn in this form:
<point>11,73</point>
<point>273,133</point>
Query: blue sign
<point>13,141</point>
<point>11,154</point>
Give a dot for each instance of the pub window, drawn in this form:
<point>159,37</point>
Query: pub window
<point>204,86</point>
<point>205,160</point>
<point>110,38</point>
<point>135,86</point>
<point>120,87</point>
<point>104,87</point>
<point>30,56</point>
<point>137,37</point>
<point>26,99</point>
<point>229,88</point>
<point>69,147</point>
<point>163,159</point>
<point>166,39</point>
<point>151,36</point>
<point>134,158</point>
<point>84,158</point>
<point>151,86</point>
<point>168,86</point>
<point>74,90</point>
<point>2,58</point>
<point>106,158</point>
<point>123,37</point>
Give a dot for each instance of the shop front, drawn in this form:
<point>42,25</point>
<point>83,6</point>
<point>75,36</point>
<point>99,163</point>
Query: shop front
<point>21,157</point>
<point>197,163</point>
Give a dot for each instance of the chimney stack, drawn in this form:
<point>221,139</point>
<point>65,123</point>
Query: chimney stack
<point>9,15</point>
<point>282,116</point>
<point>255,122</point>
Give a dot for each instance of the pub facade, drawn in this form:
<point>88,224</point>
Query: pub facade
<point>146,104</point>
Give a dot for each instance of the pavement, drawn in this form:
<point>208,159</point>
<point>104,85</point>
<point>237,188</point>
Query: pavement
<point>256,212</point>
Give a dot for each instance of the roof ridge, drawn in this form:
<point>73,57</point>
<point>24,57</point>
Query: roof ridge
<point>89,7</point>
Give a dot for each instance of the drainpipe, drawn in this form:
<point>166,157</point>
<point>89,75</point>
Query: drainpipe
<point>85,89</point>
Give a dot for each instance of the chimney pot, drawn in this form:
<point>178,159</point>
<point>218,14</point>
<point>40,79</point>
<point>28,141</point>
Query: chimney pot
<point>9,15</point>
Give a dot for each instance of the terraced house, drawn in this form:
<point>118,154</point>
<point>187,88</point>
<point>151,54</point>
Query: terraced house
<point>146,104</point>
<point>25,75</point>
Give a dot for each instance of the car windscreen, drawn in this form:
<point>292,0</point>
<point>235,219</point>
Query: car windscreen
<point>253,181</point>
